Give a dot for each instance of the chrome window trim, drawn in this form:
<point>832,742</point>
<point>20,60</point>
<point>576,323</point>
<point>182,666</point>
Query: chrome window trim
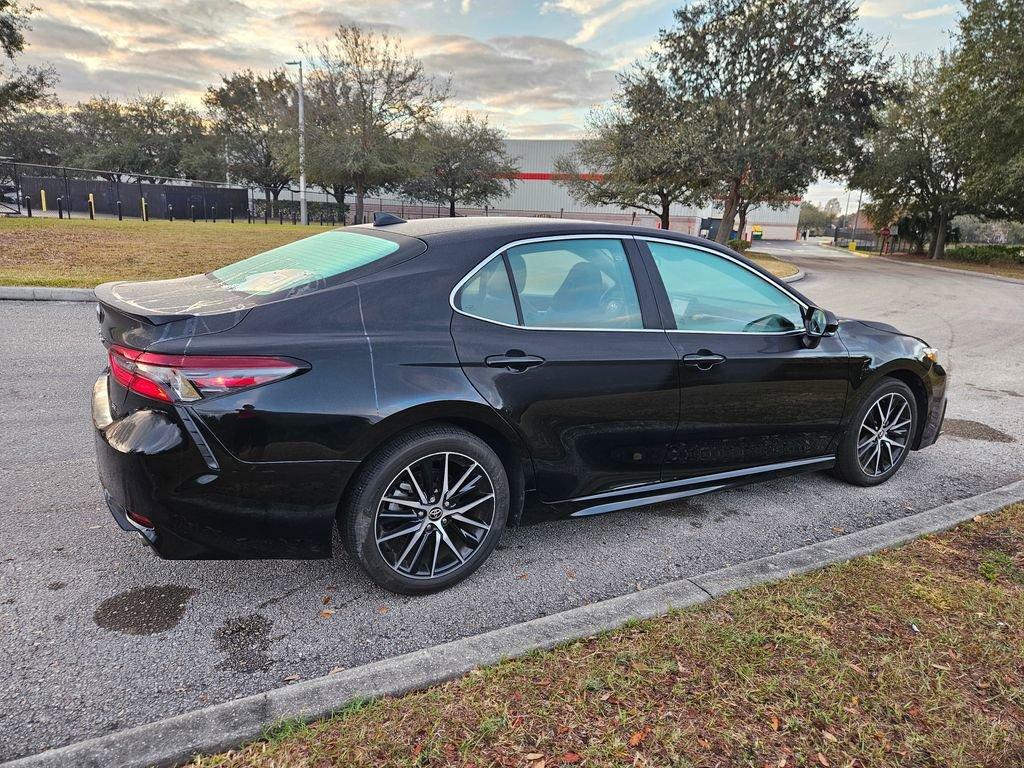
<point>617,236</point>
<point>804,307</point>
<point>548,238</point>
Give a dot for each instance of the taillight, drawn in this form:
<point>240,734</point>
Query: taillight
<point>185,378</point>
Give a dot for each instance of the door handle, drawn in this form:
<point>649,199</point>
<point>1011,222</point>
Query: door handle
<point>703,360</point>
<point>514,360</point>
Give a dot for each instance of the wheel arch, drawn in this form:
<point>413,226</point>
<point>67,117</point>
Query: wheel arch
<point>916,383</point>
<point>479,420</point>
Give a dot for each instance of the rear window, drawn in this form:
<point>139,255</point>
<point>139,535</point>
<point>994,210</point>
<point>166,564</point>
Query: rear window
<point>310,260</point>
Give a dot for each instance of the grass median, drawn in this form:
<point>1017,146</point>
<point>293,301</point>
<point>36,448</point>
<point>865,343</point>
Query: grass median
<point>993,268</point>
<point>910,657</point>
<point>84,253</point>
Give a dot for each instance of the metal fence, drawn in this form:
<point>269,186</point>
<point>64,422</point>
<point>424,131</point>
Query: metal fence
<point>29,188</point>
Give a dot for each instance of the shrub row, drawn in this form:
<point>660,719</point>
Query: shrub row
<point>987,254</point>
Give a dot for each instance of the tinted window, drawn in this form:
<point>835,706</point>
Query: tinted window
<point>488,294</point>
<point>712,293</point>
<point>575,284</point>
<point>304,262</point>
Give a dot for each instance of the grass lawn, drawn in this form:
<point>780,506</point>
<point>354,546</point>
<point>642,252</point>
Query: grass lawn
<point>84,253</point>
<point>80,252</point>
<point>777,267</point>
<point>1003,270</point>
<point>911,657</point>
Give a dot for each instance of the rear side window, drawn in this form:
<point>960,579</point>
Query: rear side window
<point>576,284</point>
<point>488,294</point>
<point>310,260</point>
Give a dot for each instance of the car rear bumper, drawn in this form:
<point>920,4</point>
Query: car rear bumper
<point>167,480</point>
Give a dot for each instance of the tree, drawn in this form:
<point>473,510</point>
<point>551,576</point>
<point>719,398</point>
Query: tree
<point>786,90</point>
<point>814,218</point>
<point>462,162</point>
<point>249,111</point>
<point>638,154</point>
<point>147,136</point>
<point>910,167</point>
<point>368,95</point>
<point>985,94</point>
<point>18,87</point>
<point>833,208</point>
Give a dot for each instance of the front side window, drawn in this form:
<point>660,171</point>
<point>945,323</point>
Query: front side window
<point>583,283</point>
<point>710,293</point>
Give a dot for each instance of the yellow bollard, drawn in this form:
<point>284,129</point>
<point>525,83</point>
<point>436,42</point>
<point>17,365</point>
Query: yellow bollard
<point>853,245</point>
<point>42,199</point>
<point>145,210</point>
<point>92,207</point>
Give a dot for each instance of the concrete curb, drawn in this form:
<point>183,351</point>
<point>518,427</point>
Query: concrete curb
<point>986,275</point>
<point>800,275</point>
<point>232,723</point>
<point>39,293</point>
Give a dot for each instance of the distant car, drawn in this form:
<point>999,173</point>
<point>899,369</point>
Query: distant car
<point>414,383</point>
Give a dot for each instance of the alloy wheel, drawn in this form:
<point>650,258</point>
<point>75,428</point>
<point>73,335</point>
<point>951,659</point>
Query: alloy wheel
<point>434,515</point>
<point>884,434</point>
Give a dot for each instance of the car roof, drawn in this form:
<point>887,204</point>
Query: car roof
<point>444,231</point>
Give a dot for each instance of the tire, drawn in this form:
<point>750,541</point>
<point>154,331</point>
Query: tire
<point>411,547</point>
<point>871,452</point>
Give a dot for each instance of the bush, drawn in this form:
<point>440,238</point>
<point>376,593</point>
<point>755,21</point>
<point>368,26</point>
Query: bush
<point>739,245</point>
<point>987,254</point>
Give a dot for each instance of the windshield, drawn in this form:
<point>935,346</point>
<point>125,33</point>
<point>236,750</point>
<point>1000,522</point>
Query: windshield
<point>309,260</point>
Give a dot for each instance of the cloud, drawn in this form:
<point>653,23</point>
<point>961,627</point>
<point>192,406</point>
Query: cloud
<point>595,14</point>
<point>516,73</point>
<point>466,6</point>
<point>930,13</point>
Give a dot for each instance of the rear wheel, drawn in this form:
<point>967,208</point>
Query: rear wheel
<point>427,510</point>
<point>879,436</point>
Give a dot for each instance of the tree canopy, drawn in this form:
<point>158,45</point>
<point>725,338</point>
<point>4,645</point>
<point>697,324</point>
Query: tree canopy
<point>464,161</point>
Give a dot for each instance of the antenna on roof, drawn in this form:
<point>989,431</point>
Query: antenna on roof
<point>382,219</point>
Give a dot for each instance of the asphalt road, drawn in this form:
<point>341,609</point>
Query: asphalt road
<point>97,634</point>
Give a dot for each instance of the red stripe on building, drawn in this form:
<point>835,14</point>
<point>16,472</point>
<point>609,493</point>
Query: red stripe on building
<point>539,176</point>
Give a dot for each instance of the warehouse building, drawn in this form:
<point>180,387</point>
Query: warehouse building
<point>537,194</point>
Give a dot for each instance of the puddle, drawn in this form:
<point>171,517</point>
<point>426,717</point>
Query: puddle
<point>144,610</point>
<point>974,430</point>
<point>246,642</point>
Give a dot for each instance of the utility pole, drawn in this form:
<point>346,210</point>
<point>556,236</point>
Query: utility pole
<point>302,145</point>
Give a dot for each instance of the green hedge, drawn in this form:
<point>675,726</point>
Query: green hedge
<point>739,245</point>
<point>987,254</point>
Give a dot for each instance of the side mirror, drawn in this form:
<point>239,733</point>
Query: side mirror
<point>818,323</point>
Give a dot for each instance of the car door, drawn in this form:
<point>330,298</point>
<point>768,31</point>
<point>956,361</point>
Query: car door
<point>562,338</point>
<point>753,393</point>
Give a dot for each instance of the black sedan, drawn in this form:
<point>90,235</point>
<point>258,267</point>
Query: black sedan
<point>417,384</point>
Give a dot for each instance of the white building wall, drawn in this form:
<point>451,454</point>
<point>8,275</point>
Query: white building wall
<point>538,194</point>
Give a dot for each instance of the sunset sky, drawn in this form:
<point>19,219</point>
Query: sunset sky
<point>534,66</point>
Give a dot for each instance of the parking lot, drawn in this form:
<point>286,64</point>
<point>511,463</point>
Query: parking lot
<point>97,634</point>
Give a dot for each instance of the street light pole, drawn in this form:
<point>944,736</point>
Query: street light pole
<point>302,145</point>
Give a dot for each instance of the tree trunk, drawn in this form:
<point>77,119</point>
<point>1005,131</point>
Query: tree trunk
<point>357,211</point>
<point>266,201</point>
<point>939,241</point>
<point>666,220</point>
<point>451,207</point>
<point>277,194</point>
<point>729,213</point>
<point>743,207</point>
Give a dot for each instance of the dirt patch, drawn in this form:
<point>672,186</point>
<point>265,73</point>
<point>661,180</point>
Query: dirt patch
<point>974,430</point>
<point>246,642</point>
<point>144,610</point>
<point>55,585</point>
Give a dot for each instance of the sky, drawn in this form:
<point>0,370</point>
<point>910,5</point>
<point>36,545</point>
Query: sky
<point>534,67</point>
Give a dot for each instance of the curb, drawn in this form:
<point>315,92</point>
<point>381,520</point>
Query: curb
<point>800,275</point>
<point>224,726</point>
<point>39,293</point>
<point>999,278</point>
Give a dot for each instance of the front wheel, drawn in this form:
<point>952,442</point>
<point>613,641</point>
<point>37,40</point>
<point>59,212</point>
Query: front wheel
<point>427,510</point>
<point>879,436</point>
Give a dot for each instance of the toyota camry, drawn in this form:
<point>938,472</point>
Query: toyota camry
<point>416,385</point>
